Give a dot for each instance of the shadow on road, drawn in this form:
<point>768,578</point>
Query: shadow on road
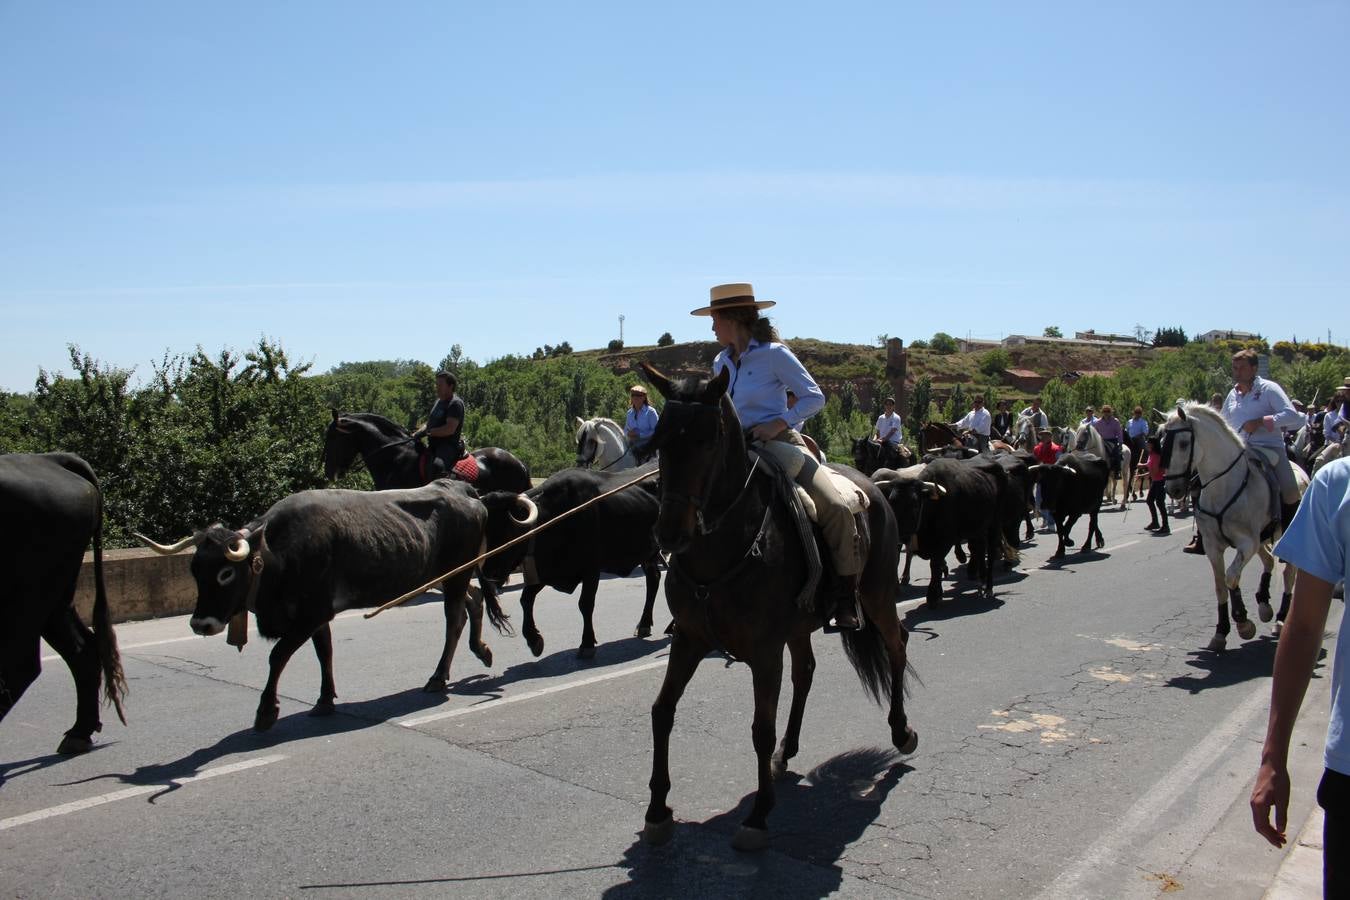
<point>33,764</point>
<point>1248,660</point>
<point>814,821</point>
<point>950,609</point>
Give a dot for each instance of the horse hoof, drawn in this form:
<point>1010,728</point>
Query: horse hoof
<point>322,708</point>
<point>585,653</point>
<point>910,743</point>
<point>536,643</point>
<point>72,745</point>
<point>1264,612</point>
<point>1275,632</point>
<point>266,718</point>
<point>749,840</point>
<point>1246,629</point>
<point>484,654</point>
<point>658,833</point>
<point>642,631</point>
<point>1217,643</point>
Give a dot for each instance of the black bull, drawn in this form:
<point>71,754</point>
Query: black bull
<point>52,510</point>
<point>1071,487</point>
<point>614,537</point>
<point>316,553</point>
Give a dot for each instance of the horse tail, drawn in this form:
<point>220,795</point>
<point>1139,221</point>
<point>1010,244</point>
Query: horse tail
<point>110,659</point>
<point>866,650</point>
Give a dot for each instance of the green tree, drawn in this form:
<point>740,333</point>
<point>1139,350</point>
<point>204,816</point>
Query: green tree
<point>1052,331</point>
<point>995,362</point>
<point>665,340</point>
<point>943,343</point>
<point>920,400</point>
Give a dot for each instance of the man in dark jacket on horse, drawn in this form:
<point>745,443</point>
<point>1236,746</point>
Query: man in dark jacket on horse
<point>444,428</point>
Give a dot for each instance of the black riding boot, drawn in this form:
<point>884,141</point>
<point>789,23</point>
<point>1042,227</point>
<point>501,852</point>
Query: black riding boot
<point>845,605</point>
<point>1195,546</point>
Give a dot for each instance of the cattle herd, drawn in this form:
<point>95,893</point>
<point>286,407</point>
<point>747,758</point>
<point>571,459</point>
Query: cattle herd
<point>318,552</point>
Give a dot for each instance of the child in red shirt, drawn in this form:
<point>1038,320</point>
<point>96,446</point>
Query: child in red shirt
<point>1047,453</point>
<point>1156,501</point>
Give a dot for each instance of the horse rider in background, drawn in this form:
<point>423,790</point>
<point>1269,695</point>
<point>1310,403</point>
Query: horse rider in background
<point>1003,422</point>
<point>640,421</point>
<point>889,432</point>
<point>977,422</point>
<point>1039,420</point>
<point>1136,433</point>
<point>1108,426</point>
<point>444,428</point>
<point>1088,417</point>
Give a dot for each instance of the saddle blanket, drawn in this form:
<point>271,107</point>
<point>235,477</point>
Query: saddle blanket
<point>467,469</point>
<point>853,497</point>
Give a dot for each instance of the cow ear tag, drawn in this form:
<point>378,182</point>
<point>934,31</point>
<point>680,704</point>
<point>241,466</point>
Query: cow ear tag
<point>256,564</point>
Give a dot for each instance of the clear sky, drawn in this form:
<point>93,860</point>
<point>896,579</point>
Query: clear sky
<point>368,181</point>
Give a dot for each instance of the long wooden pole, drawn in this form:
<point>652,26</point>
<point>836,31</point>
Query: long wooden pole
<point>397,601</point>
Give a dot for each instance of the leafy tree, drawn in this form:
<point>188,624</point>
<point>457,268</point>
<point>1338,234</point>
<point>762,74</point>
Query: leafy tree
<point>1052,331</point>
<point>615,345</point>
<point>920,344</point>
<point>1169,337</point>
<point>665,340</point>
<point>994,362</point>
<point>920,399</point>
<point>943,343</point>
<point>957,406</point>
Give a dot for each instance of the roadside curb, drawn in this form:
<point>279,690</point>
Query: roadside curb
<point>1300,875</point>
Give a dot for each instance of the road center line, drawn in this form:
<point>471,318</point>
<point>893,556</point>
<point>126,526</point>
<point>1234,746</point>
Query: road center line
<point>1143,817</point>
<point>530,695</point>
<point>90,802</point>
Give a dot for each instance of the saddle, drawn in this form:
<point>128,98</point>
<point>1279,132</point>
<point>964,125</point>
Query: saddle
<point>465,468</point>
<point>1276,512</point>
<point>805,516</point>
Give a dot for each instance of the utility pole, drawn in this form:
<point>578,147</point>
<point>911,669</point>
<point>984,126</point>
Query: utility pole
<point>620,328</point>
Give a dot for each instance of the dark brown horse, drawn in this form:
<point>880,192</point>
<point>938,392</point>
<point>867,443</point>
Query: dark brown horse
<point>736,568</point>
<point>937,436</point>
<point>394,457</point>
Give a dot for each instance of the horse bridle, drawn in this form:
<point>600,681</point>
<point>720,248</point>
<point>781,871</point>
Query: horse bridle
<point>1189,473</point>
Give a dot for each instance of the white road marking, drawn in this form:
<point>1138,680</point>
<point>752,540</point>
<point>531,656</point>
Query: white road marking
<point>1141,820</point>
<point>530,695</point>
<point>90,802</point>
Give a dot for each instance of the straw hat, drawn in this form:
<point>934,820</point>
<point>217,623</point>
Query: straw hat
<point>638,389</point>
<point>731,296</point>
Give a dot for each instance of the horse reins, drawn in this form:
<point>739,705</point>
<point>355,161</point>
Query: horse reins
<point>1188,473</point>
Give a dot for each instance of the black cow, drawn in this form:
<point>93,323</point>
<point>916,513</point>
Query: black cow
<point>614,536</point>
<point>52,510</point>
<point>1071,487</point>
<point>951,502</point>
<point>1016,505</point>
<point>316,553</point>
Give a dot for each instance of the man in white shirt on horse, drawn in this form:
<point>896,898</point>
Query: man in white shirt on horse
<point>977,422</point>
<point>1258,409</point>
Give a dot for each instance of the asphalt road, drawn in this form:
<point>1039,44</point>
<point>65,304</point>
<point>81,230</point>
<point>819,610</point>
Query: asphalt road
<point>1075,741</point>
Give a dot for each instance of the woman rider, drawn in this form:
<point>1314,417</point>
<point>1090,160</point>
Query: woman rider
<point>761,370</point>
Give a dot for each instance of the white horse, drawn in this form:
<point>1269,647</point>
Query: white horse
<point>1333,449</point>
<point>602,444</point>
<point>1023,433</point>
<point>1233,510</point>
<point>1085,437</point>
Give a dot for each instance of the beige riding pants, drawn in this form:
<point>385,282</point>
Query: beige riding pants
<point>833,514</point>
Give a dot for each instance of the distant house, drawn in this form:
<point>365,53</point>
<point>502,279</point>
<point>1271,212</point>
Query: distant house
<point>1091,335</point>
<point>1227,334</point>
<point>970,345</point>
<point>1025,380</point>
<point>1099,340</point>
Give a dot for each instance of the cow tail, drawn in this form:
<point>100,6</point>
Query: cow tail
<point>496,615</point>
<point>105,639</point>
<point>867,652</point>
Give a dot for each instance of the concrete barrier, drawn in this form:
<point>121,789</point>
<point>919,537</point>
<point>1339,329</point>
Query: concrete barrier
<point>141,584</point>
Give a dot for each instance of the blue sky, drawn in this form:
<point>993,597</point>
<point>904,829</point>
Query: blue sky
<point>367,181</point>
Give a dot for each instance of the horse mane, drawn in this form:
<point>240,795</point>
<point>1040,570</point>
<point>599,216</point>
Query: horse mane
<point>380,423</point>
<point>1203,412</point>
